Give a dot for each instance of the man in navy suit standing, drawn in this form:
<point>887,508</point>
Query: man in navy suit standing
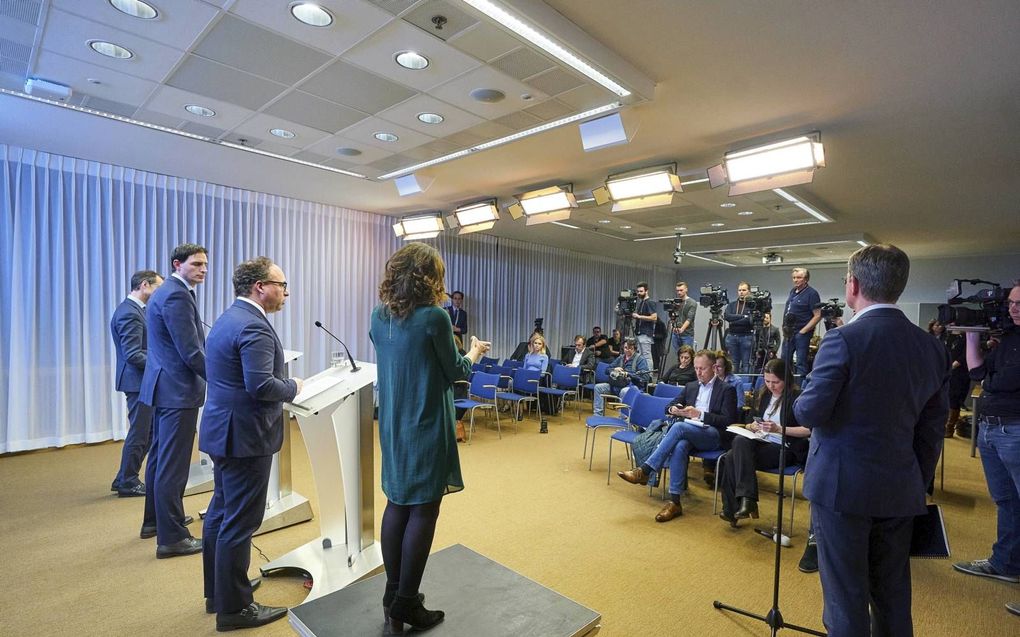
<point>174,385</point>
<point>877,403</point>
<point>458,317</point>
<point>128,329</point>
<point>242,427</point>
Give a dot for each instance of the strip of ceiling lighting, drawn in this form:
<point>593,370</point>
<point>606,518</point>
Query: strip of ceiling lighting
<point>695,256</point>
<point>800,204</point>
<point>503,140</point>
<point>174,131</point>
<point>544,42</point>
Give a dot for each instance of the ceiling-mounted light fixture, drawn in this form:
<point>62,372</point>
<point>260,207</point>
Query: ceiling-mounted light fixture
<point>542,206</point>
<point>419,226</point>
<point>645,188</point>
<point>135,9</point>
<point>474,217</point>
<point>411,60</point>
<point>311,14</point>
<point>110,50</point>
<point>201,111</point>
<point>785,163</point>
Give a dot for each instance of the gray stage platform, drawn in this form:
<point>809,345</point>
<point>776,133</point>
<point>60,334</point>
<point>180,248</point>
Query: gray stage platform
<point>480,597</point>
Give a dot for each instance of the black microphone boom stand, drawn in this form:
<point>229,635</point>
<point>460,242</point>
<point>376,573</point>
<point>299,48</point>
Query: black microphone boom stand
<point>774,618</point>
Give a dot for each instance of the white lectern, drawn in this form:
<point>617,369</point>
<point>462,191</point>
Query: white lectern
<point>334,412</point>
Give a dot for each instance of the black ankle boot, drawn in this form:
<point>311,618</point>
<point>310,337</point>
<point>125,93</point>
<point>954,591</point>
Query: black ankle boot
<point>409,610</point>
<point>748,509</point>
<point>387,601</point>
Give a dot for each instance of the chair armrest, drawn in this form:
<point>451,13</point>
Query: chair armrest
<point>490,386</point>
<point>461,382</point>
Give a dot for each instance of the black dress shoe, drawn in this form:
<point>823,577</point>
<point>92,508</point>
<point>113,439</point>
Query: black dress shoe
<point>187,520</point>
<point>727,515</point>
<point>210,602</point>
<point>187,546</point>
<point>809,561</point>
<point>137,491</point>
<point>147,532</point>
<point>748,509</point>
<point>255,614</point>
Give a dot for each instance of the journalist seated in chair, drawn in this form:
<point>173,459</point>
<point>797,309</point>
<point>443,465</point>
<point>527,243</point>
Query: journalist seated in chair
<point>614,346</point>
<point>712,404</point>
<point>581,357</point>
<point>724,369</point>
<point>537,356</point>
<point>628,368</point>
<point>738,481</point>
<point>683,372</point>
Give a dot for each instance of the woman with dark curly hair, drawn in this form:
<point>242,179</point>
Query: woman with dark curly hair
<point>418,364</point>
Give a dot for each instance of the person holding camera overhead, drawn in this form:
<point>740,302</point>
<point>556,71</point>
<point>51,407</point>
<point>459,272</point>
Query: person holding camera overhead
<point>738,335</point>
<point>645,316</point>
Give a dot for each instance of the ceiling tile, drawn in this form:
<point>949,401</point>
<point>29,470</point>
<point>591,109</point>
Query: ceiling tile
<point>523,63</point>
<point>312,111</point>
<point>457,92</point>
<point>394,6</point>
<point>260,125</point>
<point>201,129</point>
<point>586,97</point>
<point>245,46</point>
<point>377,53</point>
<point>159,119</point>
<point>485,41</point>
<point>16,69</point>
<point>115,86</point>
<point>25,11</point>
<point>342,165</point>
<point>307,155</point>
<point>456,19</point>
<point>364,130</point>
<point>518,121</point>
<point>353,21</point>
<point>110,106</point>
<point>215,80</point>
<point>490,130</point>
<point>243,140</point>
<point>279,149</point>
<point>392,162</point>
<point>69,34</point>
<point>351,86</point>
<point>328,146</point>
<point>555,82</point>
<point>550,109</point>
<point>177,25</point>
<point>406,114</point>
<point>171,101</point>
<point>435,148</point>
<point>13,50</point>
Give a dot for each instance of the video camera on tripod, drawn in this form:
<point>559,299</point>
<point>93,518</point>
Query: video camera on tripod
<point>671,307</point>
<point>760,303</point>
<point>991,312</point>
<point>627,302</point>
<point>831,310</point>
<point>713,297</point>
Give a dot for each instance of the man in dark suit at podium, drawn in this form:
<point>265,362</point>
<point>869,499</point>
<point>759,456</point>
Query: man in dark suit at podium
<point>242,427</point>
<point>174,385</point>
<point>877,404</point>
<point>128,329</point>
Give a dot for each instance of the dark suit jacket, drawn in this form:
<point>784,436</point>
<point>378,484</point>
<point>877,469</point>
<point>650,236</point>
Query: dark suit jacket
<point>798,447</point>
<point>243,415</point>
<point>175,369</point>
<point>877,404</point>
<point>722,406</point>
<point>460,321</point>
<point>128,329</point>
<point>587,359</point>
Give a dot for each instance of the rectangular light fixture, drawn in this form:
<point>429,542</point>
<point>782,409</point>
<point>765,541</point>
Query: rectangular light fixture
<point>547,200</point>
<point>802,205</point>
<point>795,155</point>
<point>658,182</point>
<point>415,227</point>
<point>477,216</point>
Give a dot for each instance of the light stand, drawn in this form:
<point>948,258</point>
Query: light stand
<point>774,618</point>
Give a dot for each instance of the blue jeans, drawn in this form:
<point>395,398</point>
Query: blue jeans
<point>676,445</point>
<point>597,404</point>
<point>801,343</point>
<point>682,340</point>
<point>739,348</point>
<point>1000,455</point>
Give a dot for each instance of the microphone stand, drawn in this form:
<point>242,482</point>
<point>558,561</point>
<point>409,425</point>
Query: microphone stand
<point>774,618</point>
<point>354,364</point>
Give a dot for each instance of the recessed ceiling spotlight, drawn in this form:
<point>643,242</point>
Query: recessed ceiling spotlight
<point>347,151</point>
<point>282,132</point>
<point>135,8</point>
<point>386,137</point>
<point>110,50</point>
<point>680,228</point>
<point>412,60</point>
<point>487,95</point>
<point>718,224</point>
<point>430,118</point>
<point>605,221</point>
<point>745,213</point>
<point>311,14</point>
<point>626,227</point>
<point>728,204</point>
<point>201,111</point>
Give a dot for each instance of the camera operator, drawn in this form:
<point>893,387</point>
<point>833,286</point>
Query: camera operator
<point>645,316</point>
<point>738,335</point>
<point>801,318</point>
<point>999,442</point>
<point>768,342</point>
<point>683,333</point>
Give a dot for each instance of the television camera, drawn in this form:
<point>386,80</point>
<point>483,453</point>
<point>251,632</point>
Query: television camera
<point>983,310</point>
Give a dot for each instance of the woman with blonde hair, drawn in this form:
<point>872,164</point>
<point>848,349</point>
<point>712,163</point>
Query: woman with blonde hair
<point>418,363</point>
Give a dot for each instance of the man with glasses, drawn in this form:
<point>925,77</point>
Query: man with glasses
<point>999,441</point>
<point>242,427</point>
<point>174,386</point>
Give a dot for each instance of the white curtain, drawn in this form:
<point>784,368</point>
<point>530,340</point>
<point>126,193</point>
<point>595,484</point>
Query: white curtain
<point>73,231</point>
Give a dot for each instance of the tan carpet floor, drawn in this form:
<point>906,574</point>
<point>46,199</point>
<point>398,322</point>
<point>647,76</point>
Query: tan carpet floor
<point>71,562</point>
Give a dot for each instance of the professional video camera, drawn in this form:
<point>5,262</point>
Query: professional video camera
<point>991,313</point>
<point>627,302</point>
<point>713,297</point>
<point>538,326</point>
<point>760,304</point>
<point>671,306</point>
<point>831,310</point>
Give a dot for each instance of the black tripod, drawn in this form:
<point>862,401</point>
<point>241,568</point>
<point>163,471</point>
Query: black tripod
<point>774,618</point>
<point>670,327</point>
<point>714,337</point>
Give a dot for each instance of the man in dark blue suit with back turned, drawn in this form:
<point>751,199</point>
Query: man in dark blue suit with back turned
<point>877,404</point>
<point>129,339</point>
<point>242,427</point>
<point>174,386</point>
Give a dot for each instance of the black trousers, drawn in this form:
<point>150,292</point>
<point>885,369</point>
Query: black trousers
<point>166,473</point>
<point>137,441</point>
<point>738,479</point>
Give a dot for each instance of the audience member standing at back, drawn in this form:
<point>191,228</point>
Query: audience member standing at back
<point>801,318</point>
<point>174,385</point>
<point>458,317</point>
<point>645,316</point>
<point>683,332</point>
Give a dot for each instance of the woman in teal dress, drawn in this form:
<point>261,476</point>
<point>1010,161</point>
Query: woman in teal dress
<point>417,366</point>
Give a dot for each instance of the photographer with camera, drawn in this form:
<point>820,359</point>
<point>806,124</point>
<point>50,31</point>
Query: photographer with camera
<point>801,318</point>
<point>999,440</point>
<point>683,333</point>
<point>629,367</point>
<point>645,316</point>
<point>738,335</point>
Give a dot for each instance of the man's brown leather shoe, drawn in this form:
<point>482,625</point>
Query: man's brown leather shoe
<point>670,511</point>
<point>634,476</point>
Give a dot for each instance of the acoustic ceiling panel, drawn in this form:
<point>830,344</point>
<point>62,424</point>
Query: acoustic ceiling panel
<point>351,86</point>
<point>178,25</point>
<point>110,106</point>
<point>440,18</point>
<point>27,11</point>
<point>279,149</point>
<point>365,130</point>
<point>523,63</point>
<point>312,111</point>
<point>16,69</point>
<point>555,81</point>
<point>518,121</point>
<point>396,7</point>
<point>454,119</point>
<point>160,119</point>
<point>458,92</point>
<point>550,109</point>
<point>366,153</point>
<point>205,77</point>
<point>353,21</point>
<point>201,129</point>
<point>17,51</point>
<point>586,97</point>
<point>485,41</point>
<point>260,125</point>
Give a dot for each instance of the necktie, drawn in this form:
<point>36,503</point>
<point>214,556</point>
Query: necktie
<point>192,292</point>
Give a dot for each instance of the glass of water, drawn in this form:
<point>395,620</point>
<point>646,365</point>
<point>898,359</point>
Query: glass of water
<point>337,359</point>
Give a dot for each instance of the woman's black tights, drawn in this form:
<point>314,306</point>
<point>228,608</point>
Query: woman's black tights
<point>407,532</point>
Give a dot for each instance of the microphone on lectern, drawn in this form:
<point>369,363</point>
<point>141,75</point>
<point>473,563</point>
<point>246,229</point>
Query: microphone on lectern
<point>354,364</point>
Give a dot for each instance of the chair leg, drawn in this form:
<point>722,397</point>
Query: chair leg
<point>591,454</point>
<point>499,428</point>
<point>471,426</point>
<point>584,454</point>
<point>609,469</point>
